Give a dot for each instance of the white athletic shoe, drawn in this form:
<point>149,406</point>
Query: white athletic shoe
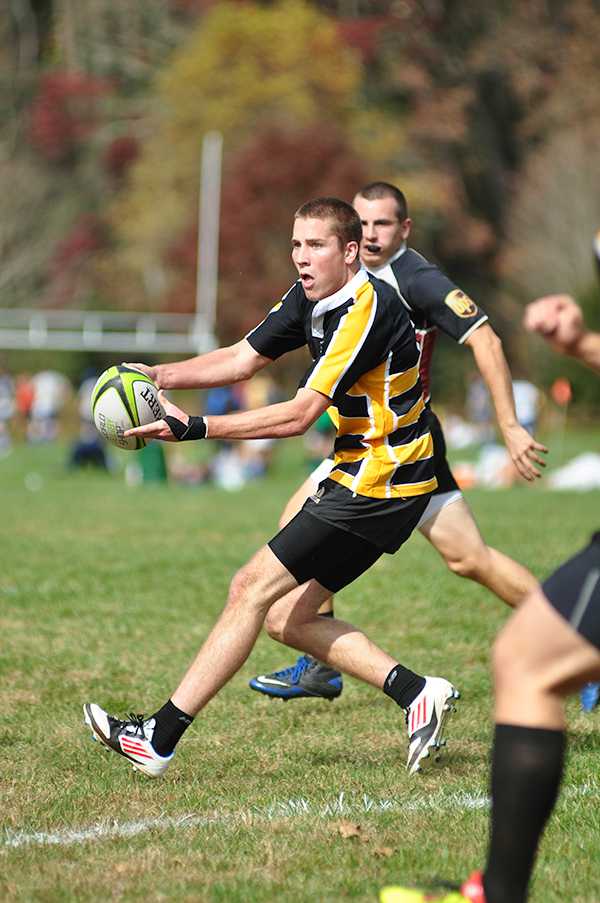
<point>425,719</point>
<point>131,738</point>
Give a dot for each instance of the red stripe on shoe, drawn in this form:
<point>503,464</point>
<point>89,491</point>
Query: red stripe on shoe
<point>135,750</point>
<point>133,744</point>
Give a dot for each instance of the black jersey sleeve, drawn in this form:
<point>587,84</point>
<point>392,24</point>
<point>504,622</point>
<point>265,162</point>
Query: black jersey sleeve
<point>282,329</point>
<point>444,304</point>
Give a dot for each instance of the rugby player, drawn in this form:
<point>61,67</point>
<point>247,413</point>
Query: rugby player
<point>365,362</point>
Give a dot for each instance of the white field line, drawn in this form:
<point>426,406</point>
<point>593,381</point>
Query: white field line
<point>342,805</point>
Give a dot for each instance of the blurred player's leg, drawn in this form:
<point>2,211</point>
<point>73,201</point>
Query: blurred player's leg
<point>454,533</point>
<point>538,660</point>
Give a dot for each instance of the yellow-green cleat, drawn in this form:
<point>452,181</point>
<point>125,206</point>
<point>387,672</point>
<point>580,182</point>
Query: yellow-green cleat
<point>405,895</point>
<point>470,892</point>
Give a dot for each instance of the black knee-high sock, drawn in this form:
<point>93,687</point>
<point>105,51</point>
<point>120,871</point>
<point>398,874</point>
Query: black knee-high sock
<point>171,722</point>
<point>527,766</point>
<point>403,685</point>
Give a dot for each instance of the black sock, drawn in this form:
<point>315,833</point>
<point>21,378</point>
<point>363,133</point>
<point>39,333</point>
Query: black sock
<point>171,722</point>
<point>403,685</point>
<point>527,766</point>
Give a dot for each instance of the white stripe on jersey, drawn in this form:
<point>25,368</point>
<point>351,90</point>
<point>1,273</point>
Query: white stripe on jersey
<point>470,331</point>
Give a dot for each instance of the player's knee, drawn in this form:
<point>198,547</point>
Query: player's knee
<point>275,624</point>
<point>244,588</point>
<point>468,564</point>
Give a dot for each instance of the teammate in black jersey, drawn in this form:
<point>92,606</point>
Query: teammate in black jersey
<point>434,302</point>
<point>548,649</point>
<point>365,362</point>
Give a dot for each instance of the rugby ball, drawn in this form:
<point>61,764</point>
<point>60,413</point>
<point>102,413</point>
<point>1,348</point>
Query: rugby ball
<point>122,399</point>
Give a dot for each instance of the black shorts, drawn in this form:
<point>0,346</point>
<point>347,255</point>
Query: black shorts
<point>337,536</point>
<point>574,591</point>
<point>446,481</point>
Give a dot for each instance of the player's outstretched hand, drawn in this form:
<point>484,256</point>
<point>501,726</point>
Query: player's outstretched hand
<point>558,319</point>
<point>151,372</point>
<point>159,429</point>
<point>525,452</point>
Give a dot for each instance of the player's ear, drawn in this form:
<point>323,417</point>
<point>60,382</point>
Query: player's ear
<point>405,227</point>
<point>351,252</point>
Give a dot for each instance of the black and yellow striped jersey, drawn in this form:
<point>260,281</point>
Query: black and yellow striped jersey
<point>366,360</point>
<point>433,301</point>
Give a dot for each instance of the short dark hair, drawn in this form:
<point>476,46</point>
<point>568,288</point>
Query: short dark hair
<point>345,219</point>
<point>374,191</point>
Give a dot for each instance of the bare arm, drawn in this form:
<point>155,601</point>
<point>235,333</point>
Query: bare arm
<point>559,320</point>
<point>491,362</point>
<point>274,421</point>
<point>221,367</point>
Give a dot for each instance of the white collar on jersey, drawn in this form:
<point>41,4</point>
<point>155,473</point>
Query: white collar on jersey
<point>386,274</point>
<point>345,293</point>
<point>377,270</point>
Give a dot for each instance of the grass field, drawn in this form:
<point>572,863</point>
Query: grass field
<point>105,594</point>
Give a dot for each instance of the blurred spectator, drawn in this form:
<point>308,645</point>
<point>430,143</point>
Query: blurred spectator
<point>460,433</point>
<point>234,463</point>
<point>223,400</point>
<point>89,448</point>
<point>226,469</point>
<point>478,408</point>
<point>51,391</point>
<point>7,409</point>
<point>24,393</point>
<point>527,403</point>
<point>494,467</point>
<point>259,391</point>
<point>256,456</point>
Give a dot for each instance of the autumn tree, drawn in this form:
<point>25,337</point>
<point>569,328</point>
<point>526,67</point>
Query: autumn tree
<point>483,90</point>
<point>265,182</point>
<point>478,86</point>
<point>72,120</point>
<point>244,68</point>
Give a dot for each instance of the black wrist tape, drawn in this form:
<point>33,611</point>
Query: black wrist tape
<point>195,429</point>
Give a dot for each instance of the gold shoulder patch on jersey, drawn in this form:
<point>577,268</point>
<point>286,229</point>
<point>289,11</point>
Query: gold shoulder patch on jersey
<point>460,303</point>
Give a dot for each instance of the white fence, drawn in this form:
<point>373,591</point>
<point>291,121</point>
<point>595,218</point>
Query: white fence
<point>81,330</point>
